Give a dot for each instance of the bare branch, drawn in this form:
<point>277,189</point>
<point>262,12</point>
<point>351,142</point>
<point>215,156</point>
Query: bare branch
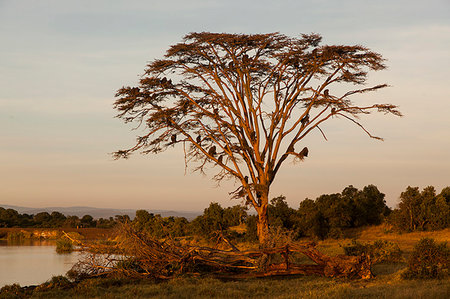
<point>239,103</point>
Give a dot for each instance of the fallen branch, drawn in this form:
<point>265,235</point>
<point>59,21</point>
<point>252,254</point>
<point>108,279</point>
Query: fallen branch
<point>139,254</point>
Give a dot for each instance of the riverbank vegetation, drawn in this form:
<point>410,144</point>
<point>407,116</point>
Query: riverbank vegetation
<point>17,235</point>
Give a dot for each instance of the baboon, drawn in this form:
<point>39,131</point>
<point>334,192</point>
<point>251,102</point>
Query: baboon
<point>245,58</point>
<point>305,120</point>
<point>326,93</point>
<point>212,151</point>
<point>333,110</point>
<point>304,152</point>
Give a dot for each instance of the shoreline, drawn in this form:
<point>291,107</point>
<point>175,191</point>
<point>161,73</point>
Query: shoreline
<point>34,233</point>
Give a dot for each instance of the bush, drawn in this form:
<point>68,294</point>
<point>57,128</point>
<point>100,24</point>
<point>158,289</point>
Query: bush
<point>251,233</point>
<point>76,275</point>
<point>19,235</point>
<point>356,248</point>
<point>379,251</point>
<point>335,233</point>
<point>64,245</point>
<point>385,251</point>
<point>55,283</point>
<point>428,260</point>
<point>11,291</point>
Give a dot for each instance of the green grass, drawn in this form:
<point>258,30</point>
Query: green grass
<point>387,285</point>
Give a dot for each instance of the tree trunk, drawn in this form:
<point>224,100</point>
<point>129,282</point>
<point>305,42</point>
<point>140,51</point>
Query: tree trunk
<point>263,219</point>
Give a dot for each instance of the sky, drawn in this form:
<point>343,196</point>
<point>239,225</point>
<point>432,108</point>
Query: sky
<point>61,63</point>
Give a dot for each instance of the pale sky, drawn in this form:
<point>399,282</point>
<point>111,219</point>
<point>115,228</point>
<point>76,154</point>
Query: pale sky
<point>61,63</point>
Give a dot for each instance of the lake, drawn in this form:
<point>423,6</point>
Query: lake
<point>32,262</point>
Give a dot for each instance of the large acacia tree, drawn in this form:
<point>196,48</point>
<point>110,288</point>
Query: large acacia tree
<point>242,104</point>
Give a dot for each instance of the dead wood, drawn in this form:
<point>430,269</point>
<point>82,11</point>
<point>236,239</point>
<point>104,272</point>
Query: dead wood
<point>140,255</point>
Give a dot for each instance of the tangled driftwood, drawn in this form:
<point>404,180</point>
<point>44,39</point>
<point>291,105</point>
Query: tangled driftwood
<point>140,255</point>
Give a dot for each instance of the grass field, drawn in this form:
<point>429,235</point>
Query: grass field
<point>406,241</point>
<point>387,283</point>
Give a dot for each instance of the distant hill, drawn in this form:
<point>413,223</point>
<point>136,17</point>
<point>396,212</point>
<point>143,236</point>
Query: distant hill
<point>99,212</point>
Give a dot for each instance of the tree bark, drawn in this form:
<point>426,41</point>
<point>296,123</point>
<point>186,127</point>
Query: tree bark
<point>263,219</point>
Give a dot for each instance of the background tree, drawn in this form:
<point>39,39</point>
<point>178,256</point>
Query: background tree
<point>87,221</point>
<point>42,219</point>
<point>330,214</point>
<point>280,214</point>
<point>422,210</point>
<point>210,222</point>
<point>9,217</point>
<point>370,206</point>
<point>72,221</point>
<point>242,103</point>
<point>57,219</point>
<point>235,215</point>
<point>442,210</point>
<point>106,223</point>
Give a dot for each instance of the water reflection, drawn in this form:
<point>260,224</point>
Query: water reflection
<point>29,262</point>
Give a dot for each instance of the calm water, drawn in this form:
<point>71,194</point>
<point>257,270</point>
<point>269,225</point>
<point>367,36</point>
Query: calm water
<point>33,262</point>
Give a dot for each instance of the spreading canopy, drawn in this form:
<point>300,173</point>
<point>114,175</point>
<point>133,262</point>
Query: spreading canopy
<point>241,103</point>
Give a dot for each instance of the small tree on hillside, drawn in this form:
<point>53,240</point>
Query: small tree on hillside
<point>243,104</point>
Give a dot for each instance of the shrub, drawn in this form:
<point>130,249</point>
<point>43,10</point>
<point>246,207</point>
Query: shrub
<point>379,251</point>
<point>56,282</point>
<point>335,233</point>
<point>19,235</point>
<point>76,275</point>
<point>251,228</point>
<point>75,236</point>
<point>356,248</point>
<point>64,245</point>
<point>428,260</point>
<point>385,251</point>
<point>11,291</point>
